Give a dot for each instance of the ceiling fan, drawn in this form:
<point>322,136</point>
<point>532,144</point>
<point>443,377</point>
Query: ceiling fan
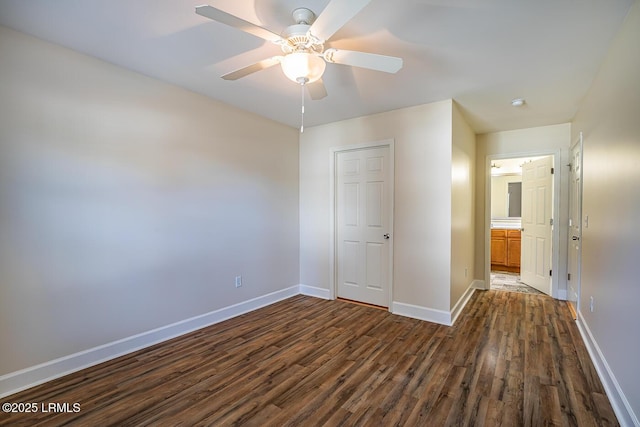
<point>304,55</point>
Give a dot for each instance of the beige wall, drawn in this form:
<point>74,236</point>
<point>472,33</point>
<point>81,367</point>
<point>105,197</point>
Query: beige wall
<point>422,213</point>
<point>609,118</point>
<point>463,209</point>
<point>519,143</point>
<point>127,204</point>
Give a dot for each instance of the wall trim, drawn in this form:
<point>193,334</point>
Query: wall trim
<point>421,313</point>
<point>479,284</point>
<point>462,302</point>
<point>621,406</point>
<point>35,375</point>
<point>433,315</point>
<point>313,291</point>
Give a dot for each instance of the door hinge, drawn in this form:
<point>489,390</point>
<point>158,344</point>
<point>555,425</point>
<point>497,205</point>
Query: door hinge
<point>570,167</point>
<point>568,276</point>
<point>550,271</point>
<point>551,171</point>
<point>550,221</point>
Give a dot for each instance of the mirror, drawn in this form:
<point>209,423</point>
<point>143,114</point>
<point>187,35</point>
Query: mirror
<point>506,196</point>
<point>514,199</point>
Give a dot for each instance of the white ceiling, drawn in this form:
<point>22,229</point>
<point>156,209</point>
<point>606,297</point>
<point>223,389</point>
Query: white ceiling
<point>482,53</point>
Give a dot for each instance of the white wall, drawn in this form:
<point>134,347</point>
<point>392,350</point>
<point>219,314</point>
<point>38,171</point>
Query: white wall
<point>519,143</point>
<point>463,209</point>
<point>127,204</point>
<point>609,118</point>
<point>422,207</point>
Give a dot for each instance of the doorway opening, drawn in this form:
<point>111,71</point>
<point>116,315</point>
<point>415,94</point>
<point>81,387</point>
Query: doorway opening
<point>520,207</point>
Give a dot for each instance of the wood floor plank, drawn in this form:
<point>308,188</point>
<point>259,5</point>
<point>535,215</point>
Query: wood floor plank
<point>511,359</point>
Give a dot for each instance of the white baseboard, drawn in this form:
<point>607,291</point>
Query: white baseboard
<point>433,315</point>
<point>422,313</point>
<point>621,406</point>
<point>562,294</point>
<point>478,284</point>
<point>464,299</point>
<point>313,291</point>
<point>26,378</point>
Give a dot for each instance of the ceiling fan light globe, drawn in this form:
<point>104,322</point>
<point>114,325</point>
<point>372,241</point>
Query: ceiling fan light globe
<point>302,66</point>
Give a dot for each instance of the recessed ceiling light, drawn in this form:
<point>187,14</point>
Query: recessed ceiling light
<point>518,102</point>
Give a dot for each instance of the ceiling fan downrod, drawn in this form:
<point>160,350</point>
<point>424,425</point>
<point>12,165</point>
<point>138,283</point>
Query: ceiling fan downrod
<point>302,81</point>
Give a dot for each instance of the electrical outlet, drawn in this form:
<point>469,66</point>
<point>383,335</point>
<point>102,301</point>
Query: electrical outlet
<point>238,281</point>
<point>591,304</point>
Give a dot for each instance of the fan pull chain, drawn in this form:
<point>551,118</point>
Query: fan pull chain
<point>302,111</point>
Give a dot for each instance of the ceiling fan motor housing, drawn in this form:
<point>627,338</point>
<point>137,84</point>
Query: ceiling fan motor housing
<point>297,39</point>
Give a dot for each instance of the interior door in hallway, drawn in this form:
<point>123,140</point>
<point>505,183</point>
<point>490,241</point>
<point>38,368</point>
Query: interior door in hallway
<point>575,226</point>
<point>537,209</point>
<point>363,207</point>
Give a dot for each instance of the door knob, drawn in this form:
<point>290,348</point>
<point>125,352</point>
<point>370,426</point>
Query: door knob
<point>386,236</point>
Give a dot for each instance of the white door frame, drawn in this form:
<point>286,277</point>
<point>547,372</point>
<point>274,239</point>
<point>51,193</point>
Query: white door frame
<point>577,280</point>
<point>333,155</point>
<point>555,234</point>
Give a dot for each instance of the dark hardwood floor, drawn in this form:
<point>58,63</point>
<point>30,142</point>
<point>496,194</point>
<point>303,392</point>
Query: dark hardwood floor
<point>511,359</point>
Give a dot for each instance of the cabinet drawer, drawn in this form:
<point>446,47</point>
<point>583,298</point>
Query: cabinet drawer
<point>498,233</point>
<point>513,234</point>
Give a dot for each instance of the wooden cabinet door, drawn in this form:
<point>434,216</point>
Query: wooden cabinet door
<point>498,250</point>
<point>513,248</point>
<point>513,252</point>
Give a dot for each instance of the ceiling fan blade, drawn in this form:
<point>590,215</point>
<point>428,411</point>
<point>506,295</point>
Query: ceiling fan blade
<point>372,61</point>
<point>233,21</point>
<point>250,69</point>
<point>316,90</point>
<point>334,16</point>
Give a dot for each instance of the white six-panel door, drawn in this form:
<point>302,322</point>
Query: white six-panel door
<point>363,206</point>
<point>537,209</point>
